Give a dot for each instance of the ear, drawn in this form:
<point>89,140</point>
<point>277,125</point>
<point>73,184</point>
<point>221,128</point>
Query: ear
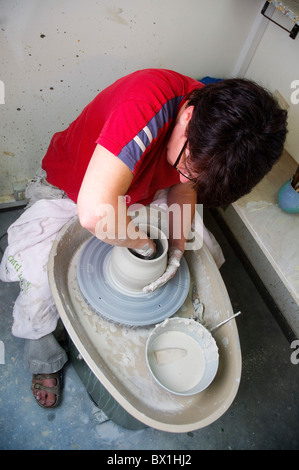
<point>186,116</point>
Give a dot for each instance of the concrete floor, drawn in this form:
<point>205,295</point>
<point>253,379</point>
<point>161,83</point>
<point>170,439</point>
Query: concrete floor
<point>264,414</point>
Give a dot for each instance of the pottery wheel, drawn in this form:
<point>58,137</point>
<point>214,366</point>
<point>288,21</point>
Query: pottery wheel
<point>108,300</point>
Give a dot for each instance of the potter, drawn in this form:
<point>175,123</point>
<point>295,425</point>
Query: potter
<point>153,130</point>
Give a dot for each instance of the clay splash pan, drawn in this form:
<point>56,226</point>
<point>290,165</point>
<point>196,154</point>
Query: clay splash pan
<point>115,353</point>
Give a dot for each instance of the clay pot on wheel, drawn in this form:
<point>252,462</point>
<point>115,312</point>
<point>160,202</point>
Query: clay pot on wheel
<point>130,272</point>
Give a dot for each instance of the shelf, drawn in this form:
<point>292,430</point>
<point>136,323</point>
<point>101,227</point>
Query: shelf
<point>269,237</point>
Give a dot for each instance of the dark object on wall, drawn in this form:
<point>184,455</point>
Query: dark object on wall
<point>293,32</point>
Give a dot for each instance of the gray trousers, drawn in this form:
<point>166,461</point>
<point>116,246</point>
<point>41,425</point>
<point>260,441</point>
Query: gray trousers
<point>45,355</point>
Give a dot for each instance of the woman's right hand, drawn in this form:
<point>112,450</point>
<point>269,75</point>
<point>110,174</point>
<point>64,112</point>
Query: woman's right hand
<point>147,251</point>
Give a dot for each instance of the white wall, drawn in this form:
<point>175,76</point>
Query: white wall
<point>87,45</point>
<point>276,65</point>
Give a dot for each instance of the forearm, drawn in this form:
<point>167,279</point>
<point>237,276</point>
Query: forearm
<point>181,203</point>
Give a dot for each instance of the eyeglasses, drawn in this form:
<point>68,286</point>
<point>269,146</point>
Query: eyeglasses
<point>178,161</point>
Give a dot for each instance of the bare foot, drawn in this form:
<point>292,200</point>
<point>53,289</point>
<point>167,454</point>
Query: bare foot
<point>46,389</point>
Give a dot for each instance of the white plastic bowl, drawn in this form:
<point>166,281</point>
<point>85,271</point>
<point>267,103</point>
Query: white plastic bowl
<point>182,356</point>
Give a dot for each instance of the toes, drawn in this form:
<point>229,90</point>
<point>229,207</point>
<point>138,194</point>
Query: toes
<point>39,396</point>
<point>44,397</point>
<point>50,401</point>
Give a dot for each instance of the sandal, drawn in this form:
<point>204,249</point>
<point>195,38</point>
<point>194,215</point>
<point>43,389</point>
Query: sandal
<point>56,390</point>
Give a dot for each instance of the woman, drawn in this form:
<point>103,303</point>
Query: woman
<point>153,129</point>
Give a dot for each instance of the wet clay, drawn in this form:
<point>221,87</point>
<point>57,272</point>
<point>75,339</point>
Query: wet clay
<point>159,251</point>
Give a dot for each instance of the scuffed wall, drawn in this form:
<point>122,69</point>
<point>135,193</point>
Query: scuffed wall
<point>56,55</point>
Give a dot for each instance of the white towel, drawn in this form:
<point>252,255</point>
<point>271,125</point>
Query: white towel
<point>30,239</point>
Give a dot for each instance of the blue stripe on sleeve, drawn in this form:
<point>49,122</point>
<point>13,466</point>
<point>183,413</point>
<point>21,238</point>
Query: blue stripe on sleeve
<point>133,150</point>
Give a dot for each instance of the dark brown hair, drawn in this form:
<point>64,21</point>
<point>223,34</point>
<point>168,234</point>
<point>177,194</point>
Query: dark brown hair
<point>236,134</point>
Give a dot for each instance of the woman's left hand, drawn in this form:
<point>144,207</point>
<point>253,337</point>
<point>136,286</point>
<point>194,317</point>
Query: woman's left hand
<point>174,258</point>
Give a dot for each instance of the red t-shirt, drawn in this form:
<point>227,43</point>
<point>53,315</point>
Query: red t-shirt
<point>132,118</point>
